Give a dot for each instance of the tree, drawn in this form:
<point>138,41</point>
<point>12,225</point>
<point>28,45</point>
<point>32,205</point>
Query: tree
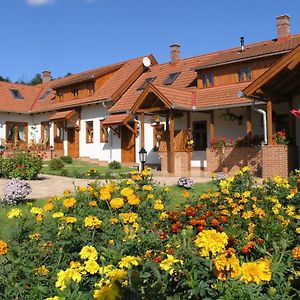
<point>6,79</point>
<point>37,79</point>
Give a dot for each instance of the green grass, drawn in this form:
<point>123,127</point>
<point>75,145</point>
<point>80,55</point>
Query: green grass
<point>80,167</point>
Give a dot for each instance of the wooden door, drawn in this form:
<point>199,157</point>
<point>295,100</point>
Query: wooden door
<point>128,145</point>
<point>73,142</point>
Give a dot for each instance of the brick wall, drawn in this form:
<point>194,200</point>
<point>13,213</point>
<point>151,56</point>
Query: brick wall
<point>234,159</point>
<point>182,162</point>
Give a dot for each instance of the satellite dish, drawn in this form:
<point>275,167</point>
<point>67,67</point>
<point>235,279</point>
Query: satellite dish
<point>146,62</point>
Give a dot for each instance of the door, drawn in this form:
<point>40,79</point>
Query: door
<point>73,142</point>
<point>127,144</point>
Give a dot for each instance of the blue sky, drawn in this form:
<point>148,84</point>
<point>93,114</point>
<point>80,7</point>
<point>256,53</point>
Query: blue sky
<point>76,35</point>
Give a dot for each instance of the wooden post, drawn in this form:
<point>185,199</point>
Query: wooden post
<point>212,126</point>
<point>167,120</point>
<point>248,125</point>
<point>269,122</point>
<point>142,130</point>
<point>171,151</point>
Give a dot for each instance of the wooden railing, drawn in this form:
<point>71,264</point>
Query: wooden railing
<point>181,139</point>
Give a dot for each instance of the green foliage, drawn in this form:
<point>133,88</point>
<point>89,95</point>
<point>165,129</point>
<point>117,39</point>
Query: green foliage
<point>114,165</point>
<point>5,79</point>
<point>37,79</point>
<point>67,159</point>
<point>21,165</point>
<point>56,164</point>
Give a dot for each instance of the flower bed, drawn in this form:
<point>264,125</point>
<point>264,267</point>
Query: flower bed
<point>118,241</point>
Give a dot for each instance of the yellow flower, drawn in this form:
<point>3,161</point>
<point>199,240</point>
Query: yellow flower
<point>53,298</point>
<point>3,247</point>
<point>133,200</point>
<point>247,215</point>
<point>64,276</point>
<point>226,264</point>
<point>150,196</point>
<point>185,194</point>
<point>48,206</point>
<point>69,202</point>
<point>246,194</point>
<point>67,192</point>
<point>211,242</point>
<point>36,211</point>
<point>296,252</point>
<point>129,217</point>
<point>107,292</point>
<point>117,274</point>
<point>136,177</point>
<point>91,266</point>
<point>256,272</point>
<point>43,270</point>
<point>147,188</point>
<point>158,205</point>
<point>39,218</point>
<point>163,216</point>
<point>88,252</point>
<point>14,213</point>
<point>297,230</point>
<point>126,192</point>
<point>116,203</point>
<point>58,215</point>
<point>129,261</point>
<point>92,203</point>
<point>105,193</point>
<point>245,169</point>
<point>167,190</point>
<point>70,219</point>
<point>114,220</point>
<point>167,263</point>
<point>34,236</point>
<point>92,222</point>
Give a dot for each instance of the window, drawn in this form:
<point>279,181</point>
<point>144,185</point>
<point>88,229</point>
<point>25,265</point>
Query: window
<point>75,92</point>
<point>16,94</point>
<point>60,95</point>
<point>44,95</point>
<point>103,133</point>
<point>16,132</point>
<point>58,131</point>
<point>146,82</point>
<point>171,78</point>
<point>45,133</point>
<point>89,131</point>
<point>200,135</point>
<point>91,88</point>
<point>208,80</point>
<point>244,74</point>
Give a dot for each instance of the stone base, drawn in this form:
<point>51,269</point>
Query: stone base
<point>182,162</point>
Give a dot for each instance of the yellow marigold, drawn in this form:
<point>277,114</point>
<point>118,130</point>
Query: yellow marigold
<point>237,195</point>
<point>58,215</point>
<point>70,219</point>
<point>117,274</point>
<point>88,252</point>
<point>158,205</point>
<point>245,169</point>
<point>91,266</point>
<point>92,203</point>
<point>48,206</point>
<point>34,236</point>
<point>36,211</point>
<point>69,202</point>
<point>129,261</point>
<point>133,200</point>
<point>211,242</point>
<point>167,263</point>
<point>297,230</point>
<point>147,188</point>
<point>81,189</point>
<point>92,222</point>
<point>129,217</point>
<point>247,214</point>
<point>256,272</point>
<point>53,298</point>
<point>246,194</point>
<point>126,192</point>
<point>150,196</point>
<point>116,203</point>
<point>136,177</point>
<point>39,217</point>
<point>185,194</point>
<point>226,263</point>
<point>114,220</point>
<point>14,213</point>
<point>163,216</point>
<point>75,264</point>
<point>3,247</point>
<point>43,270</point>
<point>107,292</point>
<point>67,192</point>
<point>64,276</point>
<point>167,190</point>
<point>296,252</point>
<point>105,193</point>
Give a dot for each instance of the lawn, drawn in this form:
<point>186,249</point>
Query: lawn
<point>78,169</point>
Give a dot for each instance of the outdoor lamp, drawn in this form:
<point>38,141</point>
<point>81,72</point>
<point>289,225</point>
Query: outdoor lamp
<point>51,151</point>
<point>143,157</point>
<point>1,150</point>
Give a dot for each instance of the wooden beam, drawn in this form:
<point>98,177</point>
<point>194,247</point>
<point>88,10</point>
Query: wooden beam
<point>172,137</point>
<point>115,130</point>
<point>142,130</point>
<point>248,125</point>
<point>130,128</point>
<point>150,109</point>
<point>188,119</point>
<point>269,122</point>
<point>167,120</point>
<point>212,126</point>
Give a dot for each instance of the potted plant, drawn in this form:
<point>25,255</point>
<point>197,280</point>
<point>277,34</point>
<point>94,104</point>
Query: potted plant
<point>156,119</point>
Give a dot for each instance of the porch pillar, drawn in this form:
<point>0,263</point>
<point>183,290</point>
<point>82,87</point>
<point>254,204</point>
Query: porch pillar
<point>171,136</point>
<point>212,126</point>
<point>167,120</point>
<point>269,122</point>
<point>142,130</point>
<point>248,125</point>
<point>292,125</point>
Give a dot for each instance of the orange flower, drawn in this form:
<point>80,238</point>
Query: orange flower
<point>185,194</point>
<point>48,206</point>
<point>92,203</point>
<point>3,247</point>
<point>69,202</point>
<point>296,252</point>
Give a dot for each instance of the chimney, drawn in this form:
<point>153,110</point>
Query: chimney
<point>175,53</point>
<point>283,27</point>
<point>46,76</point>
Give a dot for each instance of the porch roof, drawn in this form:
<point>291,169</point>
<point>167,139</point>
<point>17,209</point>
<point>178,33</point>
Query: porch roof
<point>278,82</point>
<point>66,114</point>
<point>117,119</point>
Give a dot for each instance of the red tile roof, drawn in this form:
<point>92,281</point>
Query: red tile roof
<point>117,119</point>
<point>66,114</point>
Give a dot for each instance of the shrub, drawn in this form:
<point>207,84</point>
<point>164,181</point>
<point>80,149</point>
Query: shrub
<point>92,173</point>
<point>114,165</point>
<point>56,164</point>
<point>67,159</point>
<point>64,172</point>
<point>22,165</point>
<point>16,191</point>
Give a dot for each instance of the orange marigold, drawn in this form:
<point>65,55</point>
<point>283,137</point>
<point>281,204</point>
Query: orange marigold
<point>3,247</point>
<point>296,252</point>
<point>69,202</point>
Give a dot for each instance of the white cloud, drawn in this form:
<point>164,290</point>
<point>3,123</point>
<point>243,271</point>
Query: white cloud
<point>38,2</point>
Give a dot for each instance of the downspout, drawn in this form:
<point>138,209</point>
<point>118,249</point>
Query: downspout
<point>110,137</point>
<point>264,114</point>
<point>140,135</point>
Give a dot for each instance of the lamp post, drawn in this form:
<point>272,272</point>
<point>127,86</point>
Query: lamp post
<point>1,150</point>
<point>143,157</point>
<point>51,151</point>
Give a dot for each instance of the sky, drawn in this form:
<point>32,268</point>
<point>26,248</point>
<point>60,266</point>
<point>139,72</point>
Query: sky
<point>76,35</point>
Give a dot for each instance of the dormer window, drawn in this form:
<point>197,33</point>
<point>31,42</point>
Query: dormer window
<point>60,95</point>
<point>171,78</point>
<point>75,92</point>
<point>208,80</point>
<point>91,88</point>
<point>244,74</point>
<point>145,83</point>
<point>44,95</point>
<point>16,94</point>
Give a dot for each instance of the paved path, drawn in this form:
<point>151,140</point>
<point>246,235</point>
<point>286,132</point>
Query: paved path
<point>50,185</point>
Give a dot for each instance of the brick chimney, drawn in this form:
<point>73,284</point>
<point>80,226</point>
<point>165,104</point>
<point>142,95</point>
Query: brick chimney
<point>46,76</point>
<point>283,27</point>
<point>175,53</point>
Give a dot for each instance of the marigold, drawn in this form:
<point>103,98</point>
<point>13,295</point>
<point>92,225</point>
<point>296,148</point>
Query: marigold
<point>36,211</point>
<point>133,200</point>
<point>43,270</point>
<point>58,215</point>
<point>126,192</point>
<point>147,188</point>
<point>70,220</point>
<point>129,261</point>
<point>167,263</point>
<point>92,203</point>
<point>185,194</point>
<point>296,252</point>
<point>48,206</point>
<point>105,193</point>
<point>158,205</point>
<point>129,217</point>
<point>69,202</point>
<point>106,291</point>
<point>91,266</point>
<point>211,242</point>
<point>3,247</point>
<point>226,263</point>
<point>117,275</point>
<point>92,222</point>
<point>114,220</point>
<point>116,203</point>
<point>64,276</point>
<point>88,252</point>
<point>14,213</point>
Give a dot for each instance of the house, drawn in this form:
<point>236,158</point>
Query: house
<point>182,112</point>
